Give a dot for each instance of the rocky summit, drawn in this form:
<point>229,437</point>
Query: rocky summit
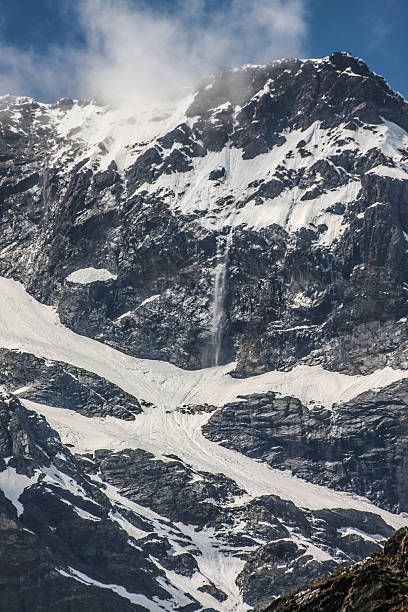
<point>204,343</point>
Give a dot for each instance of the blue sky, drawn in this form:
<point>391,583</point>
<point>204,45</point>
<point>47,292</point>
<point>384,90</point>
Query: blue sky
<point>375,30</point>
<point>54,48</point>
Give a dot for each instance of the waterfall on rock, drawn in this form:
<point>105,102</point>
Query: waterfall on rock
<point>218,321</point>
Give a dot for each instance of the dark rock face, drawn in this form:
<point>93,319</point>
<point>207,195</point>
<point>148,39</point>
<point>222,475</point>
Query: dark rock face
<point>377,583</point>
<point>255,580</point>
<point>298,86</point>
<point>63,386</point>
<point>58,510</point>
<point>358,446</point>
<point>282,563</point>
<point>29,579</point>
<point>169,488</point>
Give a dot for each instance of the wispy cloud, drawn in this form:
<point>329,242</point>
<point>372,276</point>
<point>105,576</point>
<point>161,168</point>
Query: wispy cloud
<point>134,52</point>
<point>25,72</point>
<point>380,33</point>
<point>381,24</point>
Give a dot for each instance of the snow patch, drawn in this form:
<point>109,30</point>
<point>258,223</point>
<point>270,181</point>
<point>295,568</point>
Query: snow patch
<point>148,300</point>
<point>396,173</point>
<point>13,484</point>
<point>85,276</point>
<point>371,537</point>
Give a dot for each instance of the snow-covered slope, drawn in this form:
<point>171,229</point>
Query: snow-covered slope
<point>207,301</point>
<point>165,429</point>
<point>162,429</point>
<point>169,433</point>
<point>29,326</point>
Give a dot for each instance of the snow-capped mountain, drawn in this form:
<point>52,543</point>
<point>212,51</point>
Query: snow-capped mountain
<point>207,301</point>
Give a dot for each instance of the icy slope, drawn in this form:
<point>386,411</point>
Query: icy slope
<point>162,429</point>
<point>163,432</point>
<point>99,135</point>
<point>294,207</point>
<point>29,326</point>
<point>170,148</point>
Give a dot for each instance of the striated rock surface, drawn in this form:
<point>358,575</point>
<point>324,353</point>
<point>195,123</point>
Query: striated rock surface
<point>358,446</point>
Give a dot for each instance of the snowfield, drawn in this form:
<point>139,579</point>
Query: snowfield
<point>29,326</point>
<point>164,432</point>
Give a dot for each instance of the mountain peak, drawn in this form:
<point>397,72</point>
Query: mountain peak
<point>306,81</point>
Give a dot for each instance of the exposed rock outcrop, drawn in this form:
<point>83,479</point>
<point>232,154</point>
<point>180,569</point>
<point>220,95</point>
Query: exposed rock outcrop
<point>377,583</point>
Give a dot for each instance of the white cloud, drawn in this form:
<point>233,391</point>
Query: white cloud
<point>27,73</point>
<point>134,52</point>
